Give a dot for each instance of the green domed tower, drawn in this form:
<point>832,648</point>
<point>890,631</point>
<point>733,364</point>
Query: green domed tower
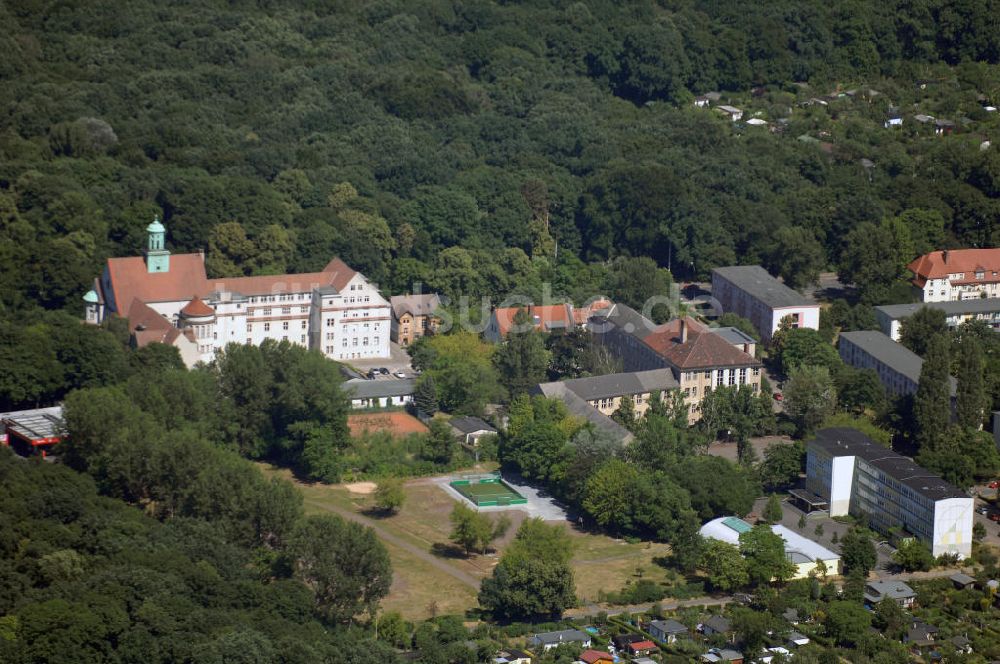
<point>157,256</point>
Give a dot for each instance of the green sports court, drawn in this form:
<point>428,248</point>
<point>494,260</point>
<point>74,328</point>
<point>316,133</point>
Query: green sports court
<point>487,491</point>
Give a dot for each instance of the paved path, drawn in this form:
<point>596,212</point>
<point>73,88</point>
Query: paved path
<point>388,537</point>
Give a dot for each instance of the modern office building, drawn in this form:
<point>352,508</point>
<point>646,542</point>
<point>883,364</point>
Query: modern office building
<point>750,291</point>
<point>898,367</point>
<point>888,492</point>
<point>891,316</point>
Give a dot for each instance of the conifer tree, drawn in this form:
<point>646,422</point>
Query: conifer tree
<point>971,399</point>
<point>522,359</point>
<point>932,402</point>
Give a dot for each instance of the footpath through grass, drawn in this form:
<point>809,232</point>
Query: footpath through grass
<point>420,589</point>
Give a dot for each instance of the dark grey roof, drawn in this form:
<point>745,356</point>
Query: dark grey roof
<point>581,408</point>
<point>876,591</point>
<point>844,441</point>
<point>370,389</point>
<point>669,626</point>
<point>962,579</point>
<point>418,305</point>
<point>733,335</point>
<point>951,308</point>
<point>625,318</point>
<point>562,636</point>
<point>756,281</point>
<point>717,623</point>
<point>469,424</point>
<point>620,384</point>
<point>894,355</point>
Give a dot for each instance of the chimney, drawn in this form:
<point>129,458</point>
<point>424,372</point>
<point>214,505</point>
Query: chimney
<point>944,255</point>
<point>684,331</point>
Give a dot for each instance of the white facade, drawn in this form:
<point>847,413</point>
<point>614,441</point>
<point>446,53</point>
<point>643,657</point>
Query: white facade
<point>337,311</point>
<point>956,287</point>
<point>353,323</point>
<point>749,291</point>
<point>888,491</point>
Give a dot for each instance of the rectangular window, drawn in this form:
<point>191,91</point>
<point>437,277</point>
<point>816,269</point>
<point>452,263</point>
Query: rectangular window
<point>330,322</point>
<point>756,371</point>
<point>302,339</point>
<point>720,377</point>
<point>708,374</point>
<point>304,325</point>
<point>249,327</point>
<point>345,342</point>
<point>365,341</point>
<point>375,340</point>
<point>267,327</point>
<point>249,341</point>
<point>286,310</point>
<point>267,311</point>
<point>743,376</point>
<point>354,341</point>
<point>694,391</point>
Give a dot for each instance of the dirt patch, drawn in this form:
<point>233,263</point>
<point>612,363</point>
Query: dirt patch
<point>397,423</point>
<point>363,488</point>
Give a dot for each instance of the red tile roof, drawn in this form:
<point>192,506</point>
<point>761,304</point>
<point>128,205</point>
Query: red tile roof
<point>196,307</point>
<point>939,264</point>
<point>702,349</point>
<point>582,314</point>
<point>592,656</point>
<point>186,278</point>
<point>638,646</point>
<point>148,326</point>
<point>547,317</point>
<point>130,280</point>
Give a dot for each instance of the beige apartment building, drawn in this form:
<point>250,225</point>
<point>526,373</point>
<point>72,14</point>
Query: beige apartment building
<point>413,316</point>
<point>700,358</point>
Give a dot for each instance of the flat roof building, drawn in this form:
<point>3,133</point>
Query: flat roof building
<point>897,366</point>
<point>891,316</point>
<point>751,292</point>
<point>380,393</point>
<point>887,491</point>
<point>31,432</point>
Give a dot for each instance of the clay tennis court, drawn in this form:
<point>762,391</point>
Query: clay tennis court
<point>397,423</point>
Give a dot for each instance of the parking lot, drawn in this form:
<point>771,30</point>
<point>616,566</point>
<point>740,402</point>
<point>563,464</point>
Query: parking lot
<point>399,362</point>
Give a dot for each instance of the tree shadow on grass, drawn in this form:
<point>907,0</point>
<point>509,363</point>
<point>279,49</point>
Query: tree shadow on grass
<point>446,550</point>
<point>378,513</point>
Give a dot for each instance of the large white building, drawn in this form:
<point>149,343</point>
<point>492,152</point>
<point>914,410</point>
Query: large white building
<point>887,491</point>
<point>801,551</point>
<point>751,292</point>
<point>957,274</point>
<point>336,311</point>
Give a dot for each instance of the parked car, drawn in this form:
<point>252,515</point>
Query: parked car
<point>995,484</point>
<point>371,374</point>
<point>383,371</point>
<point>982,510</point>
<point>994,516</point>
<point>399,374</point>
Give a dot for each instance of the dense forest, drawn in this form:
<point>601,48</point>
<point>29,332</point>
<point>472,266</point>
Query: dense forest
<point>480,147</point>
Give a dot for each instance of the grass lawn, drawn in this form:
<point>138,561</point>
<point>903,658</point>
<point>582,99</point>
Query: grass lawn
<point>599,562</point>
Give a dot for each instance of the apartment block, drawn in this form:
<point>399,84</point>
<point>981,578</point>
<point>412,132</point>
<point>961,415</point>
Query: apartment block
<point>887,491</point>
<point>898,367</point>
<point>751,292</point>
<point>891,316</point>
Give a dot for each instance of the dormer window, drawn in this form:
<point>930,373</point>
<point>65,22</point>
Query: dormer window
<point>980,275</point>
